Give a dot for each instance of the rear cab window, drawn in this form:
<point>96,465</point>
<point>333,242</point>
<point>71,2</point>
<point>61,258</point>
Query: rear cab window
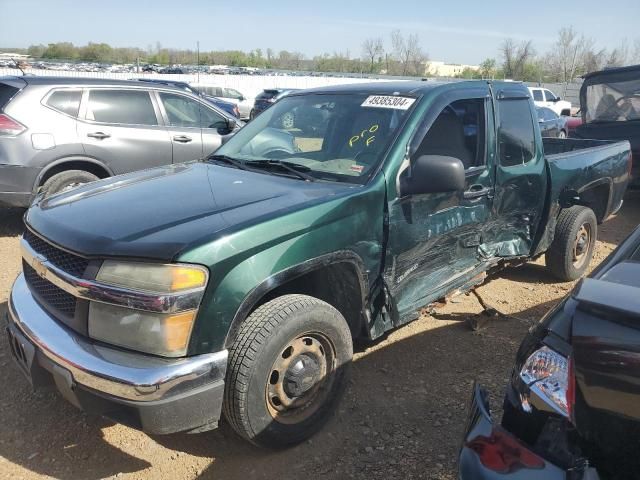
<point>65,101</point>
<point>132,107</point>
<point>537,95</point>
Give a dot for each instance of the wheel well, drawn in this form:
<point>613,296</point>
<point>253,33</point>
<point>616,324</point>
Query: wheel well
<point>597,199</point>
<point>84,165</point>
<point>338,284</point>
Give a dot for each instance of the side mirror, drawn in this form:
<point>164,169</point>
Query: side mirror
<point>433,174</point>
<point>241,98</point>
<point>231,123</point>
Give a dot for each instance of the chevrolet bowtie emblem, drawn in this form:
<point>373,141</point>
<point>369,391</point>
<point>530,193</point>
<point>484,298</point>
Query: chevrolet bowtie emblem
<point>39,267</point>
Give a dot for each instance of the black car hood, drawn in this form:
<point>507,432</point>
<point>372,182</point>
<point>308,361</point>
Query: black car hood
<point>159,213</point>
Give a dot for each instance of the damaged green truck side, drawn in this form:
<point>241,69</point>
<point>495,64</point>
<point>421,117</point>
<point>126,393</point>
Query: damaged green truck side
<point>396,195</point>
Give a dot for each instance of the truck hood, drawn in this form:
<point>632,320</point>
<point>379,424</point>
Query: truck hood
<point>159,213</point>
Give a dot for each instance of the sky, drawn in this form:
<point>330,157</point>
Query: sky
<point>455,31</point>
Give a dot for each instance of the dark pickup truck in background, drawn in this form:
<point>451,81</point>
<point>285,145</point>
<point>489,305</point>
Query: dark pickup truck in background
<point>236,284</point>
<point>610,109</point>
<point>572,409</point>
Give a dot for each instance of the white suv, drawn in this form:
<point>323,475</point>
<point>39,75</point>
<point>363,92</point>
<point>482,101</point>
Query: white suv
<point>546,98</point>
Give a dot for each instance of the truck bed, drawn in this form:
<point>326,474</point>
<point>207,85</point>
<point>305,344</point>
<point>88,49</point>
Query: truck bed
<point>554,148</point>
<point>600,166</point>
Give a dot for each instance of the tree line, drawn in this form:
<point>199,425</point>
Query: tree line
<point>404,57</point>
<point>571,55</point>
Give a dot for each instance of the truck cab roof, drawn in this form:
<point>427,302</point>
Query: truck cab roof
<point>401,87</point>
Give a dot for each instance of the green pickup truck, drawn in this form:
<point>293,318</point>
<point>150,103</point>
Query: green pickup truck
<point>235,285</point>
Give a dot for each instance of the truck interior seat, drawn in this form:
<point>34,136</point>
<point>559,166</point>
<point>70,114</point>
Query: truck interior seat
<point>446,137</point>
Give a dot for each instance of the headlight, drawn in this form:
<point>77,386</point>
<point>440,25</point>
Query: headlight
<point>148,332</point>
<point>156,327</point>
<point>550,375</point>
<point>151,277</point>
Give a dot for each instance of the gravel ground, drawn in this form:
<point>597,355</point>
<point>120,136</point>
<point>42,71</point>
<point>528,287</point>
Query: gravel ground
<point>402,416</point>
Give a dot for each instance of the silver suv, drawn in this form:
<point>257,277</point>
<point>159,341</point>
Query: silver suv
<point>57,133</point>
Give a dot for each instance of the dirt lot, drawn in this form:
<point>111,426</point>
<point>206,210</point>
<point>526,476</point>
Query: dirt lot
<point>402,416</point>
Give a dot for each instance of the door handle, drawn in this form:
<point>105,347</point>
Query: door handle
<point>182,139</point>
<point>477,191</point>
<point>98,135</point>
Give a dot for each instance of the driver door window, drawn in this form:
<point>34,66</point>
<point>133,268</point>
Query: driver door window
<point>459,131</point>
<point>550,97</point>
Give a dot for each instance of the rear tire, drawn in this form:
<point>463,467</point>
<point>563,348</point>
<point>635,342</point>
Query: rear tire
<point>287,370</point>
<point>562,134</point>
<point>68,180</point>
<point>571,251</point>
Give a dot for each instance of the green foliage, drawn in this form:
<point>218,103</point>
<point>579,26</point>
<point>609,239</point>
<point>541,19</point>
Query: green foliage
<point>469,74</point>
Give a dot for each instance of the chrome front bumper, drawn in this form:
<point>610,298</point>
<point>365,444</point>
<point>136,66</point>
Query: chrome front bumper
<point>116,376</point>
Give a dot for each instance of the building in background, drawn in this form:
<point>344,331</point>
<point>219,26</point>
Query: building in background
<point>442,69</point>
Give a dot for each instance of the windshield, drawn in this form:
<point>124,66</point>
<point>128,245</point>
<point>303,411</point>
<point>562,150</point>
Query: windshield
<point>613,101</point>
<point>334,137</point>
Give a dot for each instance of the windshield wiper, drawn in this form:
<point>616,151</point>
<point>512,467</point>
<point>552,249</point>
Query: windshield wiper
<point>295,168</point>
<point>228,160</point>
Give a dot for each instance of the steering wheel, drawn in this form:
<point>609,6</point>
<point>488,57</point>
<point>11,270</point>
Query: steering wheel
<point>363,153</point>
<point>616,105</point>
<point>276,154</point>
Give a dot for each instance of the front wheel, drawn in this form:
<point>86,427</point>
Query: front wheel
<point>287,370</point>
<point>562,134</point>
<point>572,248</point>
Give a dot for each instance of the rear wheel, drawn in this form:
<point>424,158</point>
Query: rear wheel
<point>287,370</point>
<point>571,251</point>
<point>64,181</point>
<point>562,134</point>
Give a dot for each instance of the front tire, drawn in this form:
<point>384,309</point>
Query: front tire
<point>287,370</point>
<point>562,134</point>
<point>571,251</point>
<point>64,181</point>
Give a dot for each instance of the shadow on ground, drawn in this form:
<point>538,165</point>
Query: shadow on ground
<point>11,222</point>
<point>404,411</point>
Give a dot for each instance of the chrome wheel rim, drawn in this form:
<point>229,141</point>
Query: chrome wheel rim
<point>300,378</point>
<point>582,245</point>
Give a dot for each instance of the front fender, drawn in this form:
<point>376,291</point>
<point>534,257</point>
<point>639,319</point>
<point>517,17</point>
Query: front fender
<point>246,264</point>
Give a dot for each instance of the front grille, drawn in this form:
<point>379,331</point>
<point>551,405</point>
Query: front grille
<point>70,263</point>
<point>53,297</point>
